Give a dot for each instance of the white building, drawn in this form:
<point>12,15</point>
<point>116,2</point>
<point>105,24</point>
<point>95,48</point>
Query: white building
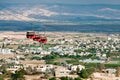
<point>111,71</point>
<point>45,52</point>
<point>44,68</point>
<point>74,67</point>
<point>104,76</point>
<point>5,51</point>
<point>14,68</point>
<point>62,72</point>
<point>92,61</point>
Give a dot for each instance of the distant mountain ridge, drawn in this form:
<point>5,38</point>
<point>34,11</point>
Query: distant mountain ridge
<point>60,16</point>
<point>92,28</point>
<point>66,13</point>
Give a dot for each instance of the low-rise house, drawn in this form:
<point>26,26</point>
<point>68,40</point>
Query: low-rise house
<point>20,56</point>
<point>111,71</point>
<point>98,54</point>
<point>92,61</point>
<point>14,68</point>
<point>104,76</point>
<point>5,51</point>
<point>32,66</point>
<point>45,52</point>
<point>61,72</point>
<point>1,73</point>
<point>9,61</point>
<point>44,68</point>
<point>75,67</point>
<point>32,63</point>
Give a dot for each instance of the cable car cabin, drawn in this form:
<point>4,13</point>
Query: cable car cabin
<point>43,40</point>
<point>37,38</point>
<point>30,35</point>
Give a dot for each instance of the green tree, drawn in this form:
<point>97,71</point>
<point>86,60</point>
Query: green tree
<point>78,51</point>
<point>90,70</point>
<point>1,77</point>
<point>46,75</point>
<point>70,79</point>
<point>64,78</point>
<point>53,78</point>
<point>3,68</point>
<point>78,70</point>
<point>18,75</point>
<point>78,78</point>
<point>83,73</point>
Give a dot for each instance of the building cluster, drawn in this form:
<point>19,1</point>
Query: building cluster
<point>83,46</point>
<point>91,44</point>
<point>33,66</point>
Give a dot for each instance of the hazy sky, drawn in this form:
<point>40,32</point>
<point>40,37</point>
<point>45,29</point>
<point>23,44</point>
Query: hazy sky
<point>64,1</point>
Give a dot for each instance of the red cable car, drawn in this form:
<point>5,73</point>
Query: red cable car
<point>40,39</point>
<point>43,40</point>
<point>30,35</point>
<point>37,38</point>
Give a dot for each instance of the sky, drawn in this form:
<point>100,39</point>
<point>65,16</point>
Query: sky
<point>64,1</point>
